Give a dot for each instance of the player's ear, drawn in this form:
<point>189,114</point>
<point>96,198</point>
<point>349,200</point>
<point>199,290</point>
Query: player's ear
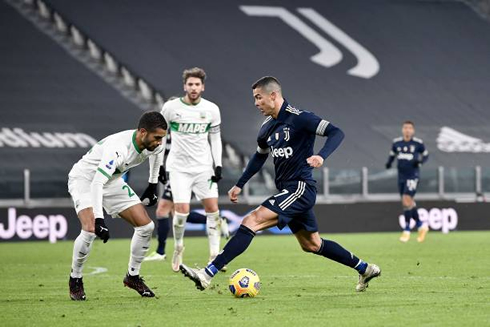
<point>273,95</point>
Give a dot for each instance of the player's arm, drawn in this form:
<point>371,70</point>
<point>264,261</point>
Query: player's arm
<point>105,170</point>
<point>216,145</point>
<point>391,157</point>
<point>149,196</point>
<point>425,155</point>
<point>334,137</point>
<point>166,113</point>
<point>216,151</point>
<point>314,124</point>
<point>254,165</point>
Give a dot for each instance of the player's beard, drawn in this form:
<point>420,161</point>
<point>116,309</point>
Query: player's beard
<point>194,96</point>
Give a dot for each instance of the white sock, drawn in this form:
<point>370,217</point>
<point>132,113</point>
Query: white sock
<point>81,250</point>
<point>140,243</point>
<point>214,232</point>
<point>179,228</point>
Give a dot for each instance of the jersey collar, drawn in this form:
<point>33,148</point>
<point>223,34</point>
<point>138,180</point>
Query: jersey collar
<point>282,111</point>
<point>135,144</point>
<point>189,104</point>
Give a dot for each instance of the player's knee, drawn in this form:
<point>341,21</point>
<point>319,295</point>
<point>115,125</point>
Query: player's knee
<point>210,205</point>
<point>251,221</point>
<point>310,247</point>
<point>407,203</point>
<point>146,230</point>
<point>89,227</point>
<point>163,211</point>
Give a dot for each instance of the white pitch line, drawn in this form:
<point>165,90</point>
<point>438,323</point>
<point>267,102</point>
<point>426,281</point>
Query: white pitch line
<point>97,270</point>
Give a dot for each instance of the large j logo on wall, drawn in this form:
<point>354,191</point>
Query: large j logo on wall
<point>329,55</point>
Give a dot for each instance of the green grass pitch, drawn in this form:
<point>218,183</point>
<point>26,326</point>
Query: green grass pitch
<point>444,281</point>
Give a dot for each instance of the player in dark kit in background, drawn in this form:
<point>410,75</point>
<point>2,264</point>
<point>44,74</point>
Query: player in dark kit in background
<point>289,135</point>
<point>410,153</point>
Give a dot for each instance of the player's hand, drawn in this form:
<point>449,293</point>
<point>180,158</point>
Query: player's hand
<point>101,229</point>
<point>217,175</point>
<point>388,165</point>
<point>417,164</point>
<point>150,196</point>
<point>163,175</point>
<point>315,161</point>
<point>233,193</point>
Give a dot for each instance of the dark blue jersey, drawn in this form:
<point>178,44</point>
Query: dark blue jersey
<point>410,155</point>
<point>290,139</point>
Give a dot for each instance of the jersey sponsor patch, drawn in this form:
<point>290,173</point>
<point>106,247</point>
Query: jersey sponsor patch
<point>282,152</point>
<point>190,128</point>
<point>405,156</point>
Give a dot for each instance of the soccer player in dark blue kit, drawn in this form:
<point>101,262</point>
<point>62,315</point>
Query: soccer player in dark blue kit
<point>410,153</point>
<point>289,135</point>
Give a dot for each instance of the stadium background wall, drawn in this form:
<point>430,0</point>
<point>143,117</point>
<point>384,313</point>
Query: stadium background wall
<point>54,224</point>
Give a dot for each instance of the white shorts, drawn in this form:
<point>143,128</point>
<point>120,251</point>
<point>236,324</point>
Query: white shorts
<point>183,184</point>
<point>117,195</point>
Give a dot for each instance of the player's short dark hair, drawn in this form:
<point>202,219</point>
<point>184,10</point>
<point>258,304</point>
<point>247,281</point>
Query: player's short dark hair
<point>409,122</point>
<point>194,72</point>
<point>265,81</point>
<point>152,120</point>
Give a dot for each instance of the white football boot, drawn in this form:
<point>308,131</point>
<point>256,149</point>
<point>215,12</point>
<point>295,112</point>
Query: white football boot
<point>372,271</point>
<point>405,237</point>
<point>155,256</point>
<point>423,230</point>
<point>198,276</point>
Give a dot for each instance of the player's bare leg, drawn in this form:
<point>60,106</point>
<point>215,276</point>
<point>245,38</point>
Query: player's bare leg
<point>81,251</point>
<point>313,243</point>
<point>179,220</point>
<point>140,243</point>
<point>259,219</point>
<point>213,228</point>
<point>163,212</point>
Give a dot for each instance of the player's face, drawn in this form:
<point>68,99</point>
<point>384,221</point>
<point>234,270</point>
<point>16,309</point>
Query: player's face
<point>193,87</point>
<point>408,131</point>
<point>264,101</point>
<point>151,140</point>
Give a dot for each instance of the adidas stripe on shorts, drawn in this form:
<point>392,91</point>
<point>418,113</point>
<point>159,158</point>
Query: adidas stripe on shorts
<point>294,205</point>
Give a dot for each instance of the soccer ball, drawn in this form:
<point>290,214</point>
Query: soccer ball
<point>244,283</point>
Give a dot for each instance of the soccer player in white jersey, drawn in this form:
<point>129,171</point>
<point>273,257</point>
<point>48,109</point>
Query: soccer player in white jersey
<point>196,144</point>
<point>95,182</point>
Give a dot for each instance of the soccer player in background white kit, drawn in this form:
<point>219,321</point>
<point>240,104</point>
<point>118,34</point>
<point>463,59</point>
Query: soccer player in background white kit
<point>196,144</point>
<point>95,182</point>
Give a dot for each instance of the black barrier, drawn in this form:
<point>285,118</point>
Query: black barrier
<point>53,224</point>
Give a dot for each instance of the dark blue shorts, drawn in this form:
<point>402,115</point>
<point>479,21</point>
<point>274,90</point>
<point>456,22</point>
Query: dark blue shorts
<point>294,205</point>
<point>408,186</point>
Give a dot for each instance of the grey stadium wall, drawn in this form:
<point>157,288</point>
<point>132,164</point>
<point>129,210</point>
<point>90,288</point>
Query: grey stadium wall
<point>388,61</point>
<point>364,65</point>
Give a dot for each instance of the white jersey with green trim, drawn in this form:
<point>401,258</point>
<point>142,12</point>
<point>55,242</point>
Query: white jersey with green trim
<point>112,157</point>
<point>190,126</point>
